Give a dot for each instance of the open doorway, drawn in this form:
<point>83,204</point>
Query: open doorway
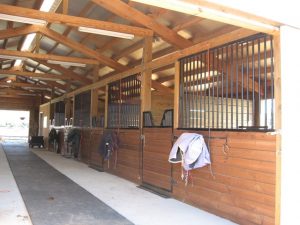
<point>14,124</point>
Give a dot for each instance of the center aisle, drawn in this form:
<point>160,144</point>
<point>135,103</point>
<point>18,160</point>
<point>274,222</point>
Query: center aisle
<point>52,198</point>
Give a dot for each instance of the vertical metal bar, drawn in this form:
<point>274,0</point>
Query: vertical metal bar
<point>192,86</point>
<point>265,80</point>
<point>227,75</point>
<point>259,81</point>
<point>222,102</point>
<point>247,74</point>
<point>201,94</point>
<point>186,92</point>
<point>253,81</point>
<point>242,94</point>
<point>190,99</point>
<point>213,89</point>
<point>197,91</point>
<point>218,86</point>
<point>272,84</point>
<point>180,93</point>
<point>237,86</point>
<point>204,92</point>
<point>231,86</point>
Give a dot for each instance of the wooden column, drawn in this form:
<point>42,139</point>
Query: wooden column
<point>176,95</point>
<point>65,6</point>
<point>290,123</point>
<point>146,76</point>
<point>277,88</point>
<point>94,95</point>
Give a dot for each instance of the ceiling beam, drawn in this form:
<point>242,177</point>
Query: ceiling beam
<point>127,12</point>
<point>161,88</point>
<point>83,12</point>
<point>48,57</point>
<point>219,13</point>
<point>82,49</point>
<point>73,21</point>
<point>19,31</point>
<point>23,85</point>
<point>41,76</point>
<point>66,73</point>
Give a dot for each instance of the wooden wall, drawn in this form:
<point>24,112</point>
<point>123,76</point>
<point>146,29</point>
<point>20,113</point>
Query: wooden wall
<point>89,147</point>
<point>243,186</point>
<point>241,189</point>
<point>156,149</point>
<point>126,161</point>
<point>160,101</point>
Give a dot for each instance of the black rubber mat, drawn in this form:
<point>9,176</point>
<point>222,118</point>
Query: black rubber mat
<point>52,198</point>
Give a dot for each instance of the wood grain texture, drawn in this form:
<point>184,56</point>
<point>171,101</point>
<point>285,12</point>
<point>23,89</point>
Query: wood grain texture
<point>243,186</point>
<point>125,161</point>
<point>156,148</point>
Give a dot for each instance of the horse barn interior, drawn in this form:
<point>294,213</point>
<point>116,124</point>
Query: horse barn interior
<point>146,72</point>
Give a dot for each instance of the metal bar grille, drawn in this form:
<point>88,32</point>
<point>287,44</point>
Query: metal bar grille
<point>82,109</point>
<point>59,114</point>
<point>124,105</point>
<point>229,87</point>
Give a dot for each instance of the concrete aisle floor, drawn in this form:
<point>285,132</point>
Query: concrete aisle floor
<point>139,206</point>
<point>12,207</point>
<point>52,198</point>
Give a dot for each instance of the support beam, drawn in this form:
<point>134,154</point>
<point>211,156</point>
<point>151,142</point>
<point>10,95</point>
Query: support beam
<point>278,125</point>
<point>65,7</point>
<point>82,49</point>
<point>159,87</point>
<point>125,11</point>
<point>19,31</point>
<point>220,13</point>
<point>48,57</point>
<point>83,12</point>
<point>23,85</point>
<point>41,76</point>
<point>73,20</point>
<point>67,74</point>
<point>146,76</point>
<point>176,95</point>
<point>288,111</point>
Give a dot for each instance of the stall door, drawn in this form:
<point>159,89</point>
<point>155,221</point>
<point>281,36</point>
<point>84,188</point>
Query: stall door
<point>156,148</point>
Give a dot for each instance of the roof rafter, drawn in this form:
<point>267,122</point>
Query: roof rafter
<point>48,57</point>
<point>81,48</point>
<point>19,31</point>
<point>73,20</point>
<point>41,76</point>
<point>127,12</point>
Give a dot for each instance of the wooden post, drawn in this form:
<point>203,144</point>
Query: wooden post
<point>146,76</point>
<point>277,88</point>
<point>65,7</point>
<point>94,96</point>
<point>290,123</point>
<point>176,95</point>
